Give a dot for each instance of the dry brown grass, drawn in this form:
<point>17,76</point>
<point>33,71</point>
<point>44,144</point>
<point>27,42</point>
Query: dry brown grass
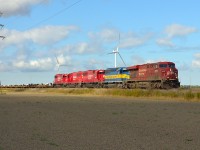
<point>173,94</point>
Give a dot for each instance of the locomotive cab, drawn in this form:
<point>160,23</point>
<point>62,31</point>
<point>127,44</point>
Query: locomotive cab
<point>168,71</point>
<point>58,80</point>
<point>169,74</point>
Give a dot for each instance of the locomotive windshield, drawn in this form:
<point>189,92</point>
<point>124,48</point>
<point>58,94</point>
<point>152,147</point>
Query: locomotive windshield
<point>163,65</point>
<point>171,65</point>
<point>167,65</point>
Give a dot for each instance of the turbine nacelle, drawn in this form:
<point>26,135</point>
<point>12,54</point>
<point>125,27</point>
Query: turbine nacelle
<point>115,51</point>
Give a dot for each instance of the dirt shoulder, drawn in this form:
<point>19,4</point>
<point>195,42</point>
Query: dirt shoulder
<point>51,122</point>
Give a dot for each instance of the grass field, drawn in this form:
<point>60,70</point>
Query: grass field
<point>192,94</point>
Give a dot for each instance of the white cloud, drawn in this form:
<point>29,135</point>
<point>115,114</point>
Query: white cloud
<point>196,62</point>
<point>127,39</point>
<point>174,31</point>
<point>106,35</point>
<point>44,64</point>
<point>165,42</point>
<point>3,67</point>
<point>43,35</point>
<point>18,7</point>
<point>179,30</point>
<point>136,60</point>
<point>49,34</point>
<point>25,64</point>
<point>36,65</point>
<point>80,48</point>
<point>157,60</point>
<point>93,63</point>
<point>131,41</point>
<point>183,66</point>
<point>62,60</point>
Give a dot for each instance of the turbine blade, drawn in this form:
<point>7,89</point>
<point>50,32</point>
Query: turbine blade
<point>122,59</point>
<point>119,40</point>
<point>57,60</point>
<point>117,48</point>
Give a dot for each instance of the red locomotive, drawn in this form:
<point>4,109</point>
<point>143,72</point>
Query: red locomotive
<point>58,80</point>
<point>161,75</point>
<point>93,78</point>
<point>89,78</point>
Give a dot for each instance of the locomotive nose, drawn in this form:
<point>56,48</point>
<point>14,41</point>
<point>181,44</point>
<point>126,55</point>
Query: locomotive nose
<point>172,74</point>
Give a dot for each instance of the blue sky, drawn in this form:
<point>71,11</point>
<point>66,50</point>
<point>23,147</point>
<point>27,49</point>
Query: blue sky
<point>81,33</point>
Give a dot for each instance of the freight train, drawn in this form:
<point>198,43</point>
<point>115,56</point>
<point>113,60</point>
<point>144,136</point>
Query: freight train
<point>159,75</point>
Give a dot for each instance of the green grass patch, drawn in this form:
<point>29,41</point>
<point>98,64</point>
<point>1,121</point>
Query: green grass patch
<point>79,91</point>
<point>178,94</point>
<point>127,92</point>
<point>198,96</point>
<point>173,94</point>
<point>189,95</point>
<point>20,90</point>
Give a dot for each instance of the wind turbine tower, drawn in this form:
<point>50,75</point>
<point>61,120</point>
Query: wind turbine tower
<point>115,52</point>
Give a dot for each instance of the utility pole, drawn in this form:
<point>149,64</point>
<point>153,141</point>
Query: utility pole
<point>3,37</point>
<point>1,26</point>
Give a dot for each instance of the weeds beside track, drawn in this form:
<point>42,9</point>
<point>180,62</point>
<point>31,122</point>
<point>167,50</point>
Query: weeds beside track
<point>173,94</point>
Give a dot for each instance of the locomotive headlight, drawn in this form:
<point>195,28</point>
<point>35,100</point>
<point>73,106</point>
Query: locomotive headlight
<point>168,73</point>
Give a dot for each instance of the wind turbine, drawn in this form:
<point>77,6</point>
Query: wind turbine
<point>59,65</point>
<point>115,52</point>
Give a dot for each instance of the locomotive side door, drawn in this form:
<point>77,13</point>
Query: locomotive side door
<point>162,69</point>
<point>156,72</point>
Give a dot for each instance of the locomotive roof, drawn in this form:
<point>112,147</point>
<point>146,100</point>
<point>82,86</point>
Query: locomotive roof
<point>118,68</point>
<point>161,62</point>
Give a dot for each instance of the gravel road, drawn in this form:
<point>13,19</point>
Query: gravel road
<point>30,122</point>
